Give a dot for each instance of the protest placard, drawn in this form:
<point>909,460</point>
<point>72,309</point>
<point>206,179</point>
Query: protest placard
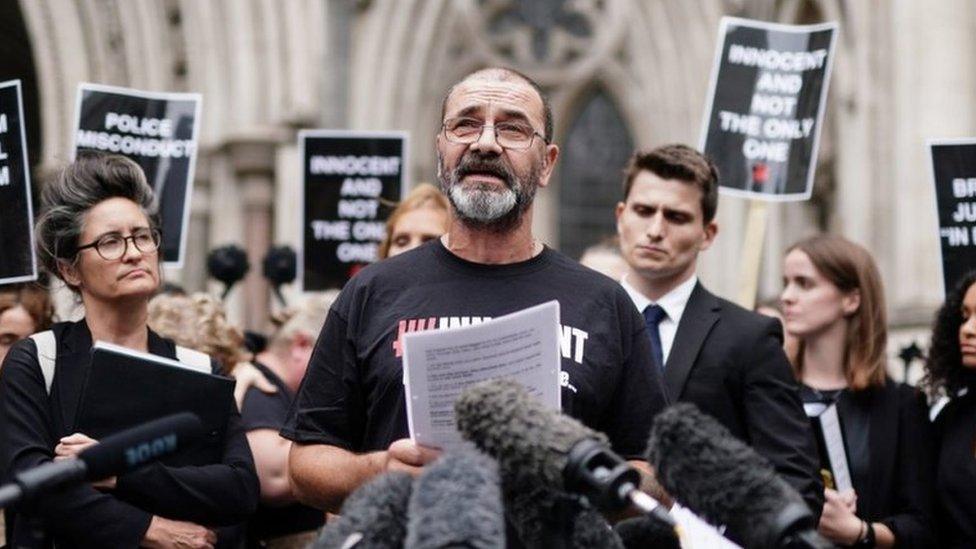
<point>157,130</point>
<point>349,181</point>
<point>18,262</point>
<point>765,108</point>
<point>953,164</point>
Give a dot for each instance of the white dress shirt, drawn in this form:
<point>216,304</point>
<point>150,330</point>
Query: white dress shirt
<point>673,303</point>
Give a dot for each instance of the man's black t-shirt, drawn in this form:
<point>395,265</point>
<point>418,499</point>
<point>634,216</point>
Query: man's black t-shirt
<point>353,397</point>
<point>268,411</point>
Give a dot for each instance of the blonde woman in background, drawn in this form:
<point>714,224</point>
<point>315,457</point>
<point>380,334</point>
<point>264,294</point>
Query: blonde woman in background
<point>199,321</point>
<point>422,216</point>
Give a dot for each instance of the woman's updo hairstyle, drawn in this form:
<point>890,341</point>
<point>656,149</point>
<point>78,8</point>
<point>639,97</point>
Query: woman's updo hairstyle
<point>89,180</point>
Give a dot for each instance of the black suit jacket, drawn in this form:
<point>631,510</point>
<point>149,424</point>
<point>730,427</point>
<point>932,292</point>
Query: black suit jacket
<point>899,490</point>
<point>730,363</point>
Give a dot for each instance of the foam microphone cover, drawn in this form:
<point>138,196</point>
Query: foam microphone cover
<point>647,532</point>
<point>457,502</point>
<point>373,517</point>
<point>699,462</point>
<point>136,446</point>
<point>528,439</point>
<point>531,444</point>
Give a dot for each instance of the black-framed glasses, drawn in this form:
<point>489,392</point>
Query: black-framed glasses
<point>510,135</point>
<point>113,246</point>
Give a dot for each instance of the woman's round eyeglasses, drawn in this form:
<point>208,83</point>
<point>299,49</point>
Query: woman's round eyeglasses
<point>113,246</point>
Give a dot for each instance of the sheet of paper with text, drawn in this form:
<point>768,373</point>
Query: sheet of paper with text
<point>439,364</point>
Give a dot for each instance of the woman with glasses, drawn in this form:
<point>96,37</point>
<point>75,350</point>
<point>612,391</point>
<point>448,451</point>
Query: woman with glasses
<point>96,234</point>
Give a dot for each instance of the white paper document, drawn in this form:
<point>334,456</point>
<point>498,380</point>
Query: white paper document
<point>439,364</point>
<point>695,533</point>
<point>834,441</point>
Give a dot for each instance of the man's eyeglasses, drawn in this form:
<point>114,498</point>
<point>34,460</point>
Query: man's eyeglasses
<point>113,246</point>
<point>510,135</point>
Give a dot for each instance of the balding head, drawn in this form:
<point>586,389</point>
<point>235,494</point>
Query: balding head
<point>502,74</point>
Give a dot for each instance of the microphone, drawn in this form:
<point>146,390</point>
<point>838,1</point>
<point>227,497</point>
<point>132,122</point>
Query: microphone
<point>115,454</point>
<point>372,517</point>
<point>700,463</point>
<point>646,531</point>
<point>502,419</point>
<point>457,502</point>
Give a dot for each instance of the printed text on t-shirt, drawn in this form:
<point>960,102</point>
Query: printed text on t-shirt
<point>572,342</point>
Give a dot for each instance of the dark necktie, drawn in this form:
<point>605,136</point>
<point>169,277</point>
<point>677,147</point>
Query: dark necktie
<point>653,315</point>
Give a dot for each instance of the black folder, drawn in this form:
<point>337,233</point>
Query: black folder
<point>125,388</point>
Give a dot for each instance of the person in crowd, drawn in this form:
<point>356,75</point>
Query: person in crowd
<point>198,321</point>
<point>771,308</point>
<point>950,375</point>
<point>96,233</point>
<point>422,216</point>
<point>833,303</point>
<point>24,309</point>
<point>604,257</point>
<point>726,360</point>
<point>348,422</point>
<point>280,519</point>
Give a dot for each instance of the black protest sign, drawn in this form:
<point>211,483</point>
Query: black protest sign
<point>347,177</point>
<point>17,260</point>
<point>156,130</point>
<point>954,176</point>
<point>766,103</point>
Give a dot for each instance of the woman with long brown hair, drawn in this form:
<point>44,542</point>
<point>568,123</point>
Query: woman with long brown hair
<point>833,303</point>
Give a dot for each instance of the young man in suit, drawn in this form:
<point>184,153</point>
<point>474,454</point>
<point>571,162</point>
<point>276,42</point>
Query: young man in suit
<point>726,360</point>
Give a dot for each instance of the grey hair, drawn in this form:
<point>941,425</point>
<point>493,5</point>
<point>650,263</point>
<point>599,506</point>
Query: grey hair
<point>89,180</point>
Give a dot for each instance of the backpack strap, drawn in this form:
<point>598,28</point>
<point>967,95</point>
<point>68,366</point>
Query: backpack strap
<point>194,360</point>
<point>47,355</point>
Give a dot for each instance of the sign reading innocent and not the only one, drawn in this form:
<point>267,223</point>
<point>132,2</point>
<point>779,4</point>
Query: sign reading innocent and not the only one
<point>767,97</point>
<point>349,180</point>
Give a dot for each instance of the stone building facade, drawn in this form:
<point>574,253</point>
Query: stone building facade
<point>621,73</point>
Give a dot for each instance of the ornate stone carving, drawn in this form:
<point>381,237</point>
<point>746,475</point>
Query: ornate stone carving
<point>541,32</point>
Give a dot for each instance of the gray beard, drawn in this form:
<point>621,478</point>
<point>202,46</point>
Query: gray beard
<point>484,207</point>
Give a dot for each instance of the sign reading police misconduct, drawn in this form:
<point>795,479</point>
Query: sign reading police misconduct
<point>767,95</point>
<point>156,130</point>
<point>346,178</point>
<point>954,177</point>
<point>17,260</point>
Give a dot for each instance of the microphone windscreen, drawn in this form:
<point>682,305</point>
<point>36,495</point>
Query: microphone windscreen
<point>647,532</point>
<point>457,502</point>
<point>529,440</point>
<point>699,462</point>
<point>132,448</point>
<point>374,516</point>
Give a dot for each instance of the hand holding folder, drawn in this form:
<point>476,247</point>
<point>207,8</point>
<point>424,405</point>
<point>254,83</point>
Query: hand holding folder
<point>125,388</point>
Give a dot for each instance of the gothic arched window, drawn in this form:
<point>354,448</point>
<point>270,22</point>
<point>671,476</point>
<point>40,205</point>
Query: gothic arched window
<point>595,151</point>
